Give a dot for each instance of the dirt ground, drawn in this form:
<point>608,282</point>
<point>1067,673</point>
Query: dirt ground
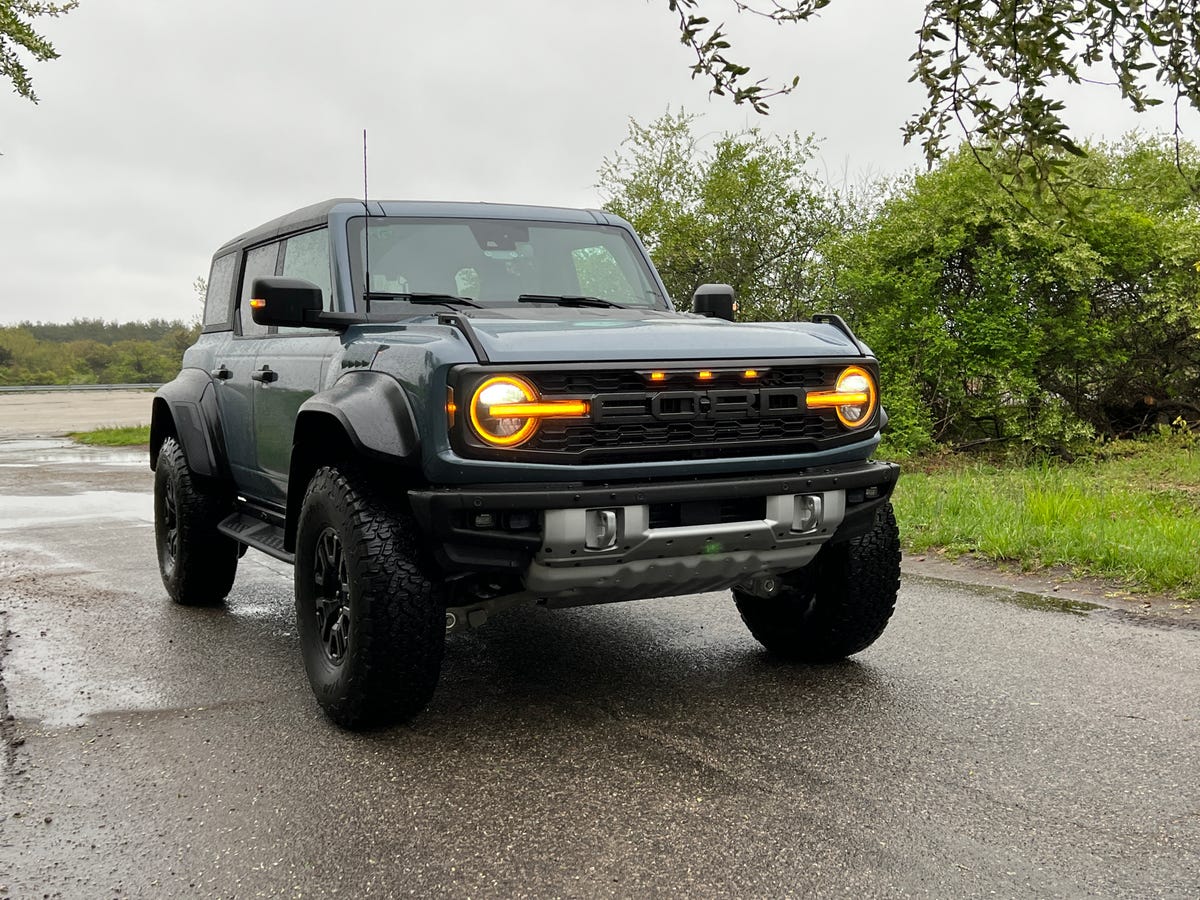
<point>54,413</point>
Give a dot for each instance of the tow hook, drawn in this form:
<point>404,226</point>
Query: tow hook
<point>765,586</point>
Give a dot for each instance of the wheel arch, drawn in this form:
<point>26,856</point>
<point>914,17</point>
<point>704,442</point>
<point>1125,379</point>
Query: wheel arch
<point>186,409</point>
<point>365,416</point>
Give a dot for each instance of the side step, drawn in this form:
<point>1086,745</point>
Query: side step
<point>254,532</point>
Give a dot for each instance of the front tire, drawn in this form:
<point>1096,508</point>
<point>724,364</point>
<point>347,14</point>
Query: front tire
<point>197,562</point>
<point>370,608</point>
<point>837,605</point>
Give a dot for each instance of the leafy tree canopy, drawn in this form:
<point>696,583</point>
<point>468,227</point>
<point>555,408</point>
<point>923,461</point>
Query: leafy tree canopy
<point>992,324</point>
<point>742,209</point>
<point>18,37</point>
<point>989,67</point>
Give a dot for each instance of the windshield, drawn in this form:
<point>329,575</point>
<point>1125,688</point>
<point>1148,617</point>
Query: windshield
<point>495,262</point>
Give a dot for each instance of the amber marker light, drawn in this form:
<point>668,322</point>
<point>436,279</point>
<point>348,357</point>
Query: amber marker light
<point>854,398</point>
<point>258,304</point>
<point>750,373</point>
<point>658,376</point>
<point>705,375</point>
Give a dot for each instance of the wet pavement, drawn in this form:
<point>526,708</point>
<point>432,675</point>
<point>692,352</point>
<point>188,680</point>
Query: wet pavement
<point>991,743</point>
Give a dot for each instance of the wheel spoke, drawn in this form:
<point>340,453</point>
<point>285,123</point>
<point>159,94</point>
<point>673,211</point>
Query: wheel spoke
<point>331,577</point>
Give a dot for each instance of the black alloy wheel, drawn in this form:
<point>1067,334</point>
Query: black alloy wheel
<point>169,514</point>
<point>331,579</point>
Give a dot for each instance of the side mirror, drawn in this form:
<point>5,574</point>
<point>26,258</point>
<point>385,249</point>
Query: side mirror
<point>714,301</point>
<point>286,302</point>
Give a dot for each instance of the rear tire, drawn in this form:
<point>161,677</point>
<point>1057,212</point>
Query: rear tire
<point>197,562</point>
<point>370,606</point>
<point>837,605</point>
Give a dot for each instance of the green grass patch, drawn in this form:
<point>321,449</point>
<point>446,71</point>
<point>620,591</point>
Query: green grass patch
<point>114,437</point>
<point>1131,514</point>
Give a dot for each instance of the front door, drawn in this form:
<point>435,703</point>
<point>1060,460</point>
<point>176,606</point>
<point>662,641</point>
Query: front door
<point>291,365</point>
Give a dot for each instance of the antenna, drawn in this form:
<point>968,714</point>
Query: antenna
<point>366,235</point>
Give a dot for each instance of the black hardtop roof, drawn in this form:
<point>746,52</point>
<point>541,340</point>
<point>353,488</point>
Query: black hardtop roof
<point>319,213</point>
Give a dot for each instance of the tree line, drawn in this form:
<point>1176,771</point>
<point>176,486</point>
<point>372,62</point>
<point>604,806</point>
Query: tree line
<point>1001,309</point>
<point>92,351</point>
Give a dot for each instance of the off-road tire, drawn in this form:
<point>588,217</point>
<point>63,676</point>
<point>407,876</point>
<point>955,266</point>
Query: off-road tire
<point>197,562</point>
<point>393,631</point>
<point>835,606</point>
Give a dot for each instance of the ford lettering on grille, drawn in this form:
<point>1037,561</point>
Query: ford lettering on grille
<point>680,406</point>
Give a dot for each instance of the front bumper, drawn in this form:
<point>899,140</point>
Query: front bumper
<point>650,558</point>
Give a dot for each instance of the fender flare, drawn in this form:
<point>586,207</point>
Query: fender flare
<point>186,408</point>
<point>375,413</point>
<point>366,413</point>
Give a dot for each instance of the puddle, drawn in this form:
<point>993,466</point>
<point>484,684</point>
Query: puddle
<point>31,454</point>
<point>1049,604</point>
<point>1013,597</point>
<point>21,511</point>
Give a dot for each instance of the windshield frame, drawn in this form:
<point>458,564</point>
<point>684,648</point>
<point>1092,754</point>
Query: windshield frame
<point>355,228</point>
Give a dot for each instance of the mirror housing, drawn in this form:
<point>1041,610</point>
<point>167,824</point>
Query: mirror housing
<point>286,302</point>
<point>714,301</point>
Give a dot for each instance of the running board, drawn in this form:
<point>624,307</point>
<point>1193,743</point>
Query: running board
<point>253,532</point>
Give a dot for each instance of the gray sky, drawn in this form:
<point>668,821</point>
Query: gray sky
<point>166,127</point>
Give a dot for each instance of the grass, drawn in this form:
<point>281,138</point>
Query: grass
<point>135,436</point>
<point>1131,515</point>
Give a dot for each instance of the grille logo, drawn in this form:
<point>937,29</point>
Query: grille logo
<point>686,406</point>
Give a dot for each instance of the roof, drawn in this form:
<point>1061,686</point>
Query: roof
<point>320,213</point>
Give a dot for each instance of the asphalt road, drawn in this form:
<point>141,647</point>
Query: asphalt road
<point>990,744</point>
<point>51,413</point>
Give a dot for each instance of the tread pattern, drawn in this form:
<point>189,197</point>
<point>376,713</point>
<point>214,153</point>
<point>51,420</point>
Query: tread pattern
<point>397,604</point>
<point>207,560</point>
<point>837,605</point>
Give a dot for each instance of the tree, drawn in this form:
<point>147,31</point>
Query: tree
<point>17,34</point>
<point>744,211</point>
<point>989,67</point>
<point>997,325</point>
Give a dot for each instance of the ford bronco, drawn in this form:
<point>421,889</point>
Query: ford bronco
<point>437,411</point>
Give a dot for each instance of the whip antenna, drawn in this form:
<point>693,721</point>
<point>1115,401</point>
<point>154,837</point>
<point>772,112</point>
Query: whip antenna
<point>366,234</point>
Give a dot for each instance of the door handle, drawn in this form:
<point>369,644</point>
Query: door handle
<point>221,373</point>
<point>266,375</point>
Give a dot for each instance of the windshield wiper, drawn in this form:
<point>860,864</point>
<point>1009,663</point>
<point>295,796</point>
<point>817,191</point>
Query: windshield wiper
<point>569,300</point>
<point>423,297</point>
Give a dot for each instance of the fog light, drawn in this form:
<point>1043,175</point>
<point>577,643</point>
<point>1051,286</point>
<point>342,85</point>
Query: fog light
<point>601,532</point>
<point>872,493</point>
<point>807,516</point>
<point>484,520</point>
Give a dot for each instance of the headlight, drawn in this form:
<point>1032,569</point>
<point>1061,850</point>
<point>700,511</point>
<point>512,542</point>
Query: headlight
<point>506,410</point>
<point>854,398</point>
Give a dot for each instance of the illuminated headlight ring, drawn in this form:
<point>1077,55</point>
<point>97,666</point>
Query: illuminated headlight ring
<point>506,410</point>
<point>854,398</point>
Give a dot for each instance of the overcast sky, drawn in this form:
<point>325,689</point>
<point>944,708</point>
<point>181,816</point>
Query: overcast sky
<point>168,127</point>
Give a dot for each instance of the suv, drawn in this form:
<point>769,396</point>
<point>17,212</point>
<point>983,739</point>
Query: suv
<point>436,411</point>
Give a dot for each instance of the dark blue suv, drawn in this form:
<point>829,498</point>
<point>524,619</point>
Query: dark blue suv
<point>437,411</point>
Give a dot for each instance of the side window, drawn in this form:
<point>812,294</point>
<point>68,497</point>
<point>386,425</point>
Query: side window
<point>220,289</point>
<point>260,263</point>
<point>307,256</point>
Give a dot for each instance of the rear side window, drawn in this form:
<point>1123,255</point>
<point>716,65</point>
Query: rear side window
<point>260,263</point>
<point>220,291</point>
<point>307,256</point>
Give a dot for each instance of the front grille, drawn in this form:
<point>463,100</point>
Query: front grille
<point>707,439</point>
<point>681,417</point>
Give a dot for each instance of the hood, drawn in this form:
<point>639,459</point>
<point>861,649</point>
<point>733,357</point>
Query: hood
<point>575,335</point>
